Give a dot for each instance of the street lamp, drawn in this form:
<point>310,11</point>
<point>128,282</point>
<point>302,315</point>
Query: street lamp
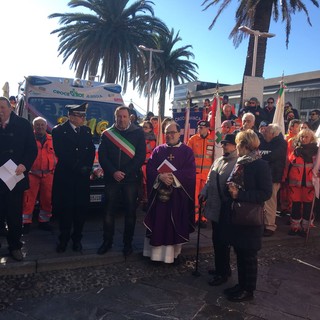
<point>256,34</point>
<point>151,50</point>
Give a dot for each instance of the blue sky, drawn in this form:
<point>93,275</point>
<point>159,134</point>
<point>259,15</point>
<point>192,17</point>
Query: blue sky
<point>28,48</point>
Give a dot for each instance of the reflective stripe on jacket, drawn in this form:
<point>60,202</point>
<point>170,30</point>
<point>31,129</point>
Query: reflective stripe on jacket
<point>300,170</point>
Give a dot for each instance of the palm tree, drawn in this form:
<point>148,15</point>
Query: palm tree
<point>171,67</point>
<point>257,15</point>
<point>108,39</point>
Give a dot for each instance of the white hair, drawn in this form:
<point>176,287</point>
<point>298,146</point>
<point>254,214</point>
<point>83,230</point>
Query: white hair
<point>274,129</point>
<point>38,119</point>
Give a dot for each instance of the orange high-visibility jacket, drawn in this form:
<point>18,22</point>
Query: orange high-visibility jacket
<point>203,152</point>
<point>46,160</point>
<point>299,169</point>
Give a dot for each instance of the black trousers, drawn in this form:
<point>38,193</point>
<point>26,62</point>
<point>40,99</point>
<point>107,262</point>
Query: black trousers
<point>247,263</point>
<point>129,196</point>
<point>71,220</point>
<point>11,209</point>
<point>221,249</point>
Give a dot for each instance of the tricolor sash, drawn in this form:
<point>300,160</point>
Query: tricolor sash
<point>123,144</point>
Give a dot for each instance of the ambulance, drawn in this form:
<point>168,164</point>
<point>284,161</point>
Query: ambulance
<point>47,97</point>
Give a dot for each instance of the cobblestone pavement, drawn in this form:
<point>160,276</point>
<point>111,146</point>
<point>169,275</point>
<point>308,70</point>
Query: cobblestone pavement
<point>146,290</point>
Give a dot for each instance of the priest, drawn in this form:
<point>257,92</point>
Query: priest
<point>169,220</point>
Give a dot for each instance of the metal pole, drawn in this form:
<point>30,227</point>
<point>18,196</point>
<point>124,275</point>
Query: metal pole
<point>149,81</point>
<point>254,59</point>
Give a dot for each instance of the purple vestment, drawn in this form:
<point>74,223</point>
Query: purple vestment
<point>171,222</point>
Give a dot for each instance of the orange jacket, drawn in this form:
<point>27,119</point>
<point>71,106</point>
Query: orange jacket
<point>150,145</point>
<point>299,170</point>
<point>203,152</point>
<point>46,159</point>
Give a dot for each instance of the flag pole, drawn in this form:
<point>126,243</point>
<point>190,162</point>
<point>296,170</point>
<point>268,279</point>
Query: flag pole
<point>187,119</point>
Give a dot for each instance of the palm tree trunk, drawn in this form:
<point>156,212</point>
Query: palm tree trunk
<point>162,97</point>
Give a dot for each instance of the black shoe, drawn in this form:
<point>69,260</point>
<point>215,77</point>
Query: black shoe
<point>233,290</point>
<point>77,246</point>
<point>218,281</point>
<point>26,228</point>
<point>127,250</point>
<point>16,254</point>
<point>106,245</point>
<point>240,296</point>
<point>268,233</point>
<point>61,247</point>
<point>46,226</point>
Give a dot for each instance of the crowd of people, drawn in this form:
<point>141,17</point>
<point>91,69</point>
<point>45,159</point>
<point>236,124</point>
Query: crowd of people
<point>178,185</point>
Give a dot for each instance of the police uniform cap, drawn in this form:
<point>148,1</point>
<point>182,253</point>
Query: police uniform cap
<point>203,123</point>
<point>76,108</point>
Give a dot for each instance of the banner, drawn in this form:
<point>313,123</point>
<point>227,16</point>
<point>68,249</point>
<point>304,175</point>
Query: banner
<point>194,117</point>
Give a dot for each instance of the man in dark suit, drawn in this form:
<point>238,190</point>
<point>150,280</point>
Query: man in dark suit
<point>72,143</point>
<point>17,143</point>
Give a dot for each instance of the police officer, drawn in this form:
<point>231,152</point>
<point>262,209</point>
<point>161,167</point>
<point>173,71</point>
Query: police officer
<point>73,146</point>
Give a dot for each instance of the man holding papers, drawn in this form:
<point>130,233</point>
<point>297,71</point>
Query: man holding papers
<point>169,220</point>
<point>18,152</point>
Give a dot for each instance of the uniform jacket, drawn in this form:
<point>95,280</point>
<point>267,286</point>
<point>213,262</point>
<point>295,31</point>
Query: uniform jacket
<point>46,160</point>
<point>203,153</point>
<point>75,153</point>
<point>275,153</point>
<point>112,159</point>
<point>17,143</point>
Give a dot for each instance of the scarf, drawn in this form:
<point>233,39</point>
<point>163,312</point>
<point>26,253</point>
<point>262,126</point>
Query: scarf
<point>237,174</point>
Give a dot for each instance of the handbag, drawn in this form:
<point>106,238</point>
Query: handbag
<point>247,214</point>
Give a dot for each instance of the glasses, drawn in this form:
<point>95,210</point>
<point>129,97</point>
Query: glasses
<point>145,127</point>
<point>171,133</point>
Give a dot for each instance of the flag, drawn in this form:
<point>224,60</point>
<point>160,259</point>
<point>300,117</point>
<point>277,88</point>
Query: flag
<point>316,169</point>
<point>278,117</point>
<point>215,125</point>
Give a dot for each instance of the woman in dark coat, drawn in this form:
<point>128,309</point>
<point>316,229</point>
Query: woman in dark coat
<point>250,181</point>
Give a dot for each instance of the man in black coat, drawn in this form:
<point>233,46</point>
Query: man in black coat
<point>274,150</point>
<point>17,143</point>
<point>73,146</point>
<point>122,152</point>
